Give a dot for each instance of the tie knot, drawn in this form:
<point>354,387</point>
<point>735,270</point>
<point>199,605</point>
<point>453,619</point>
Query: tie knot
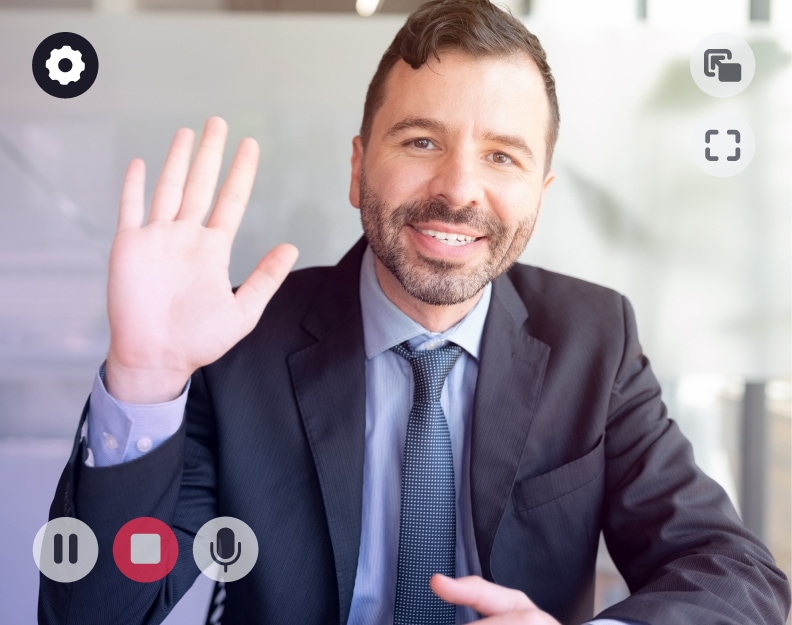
<point>430,368</point>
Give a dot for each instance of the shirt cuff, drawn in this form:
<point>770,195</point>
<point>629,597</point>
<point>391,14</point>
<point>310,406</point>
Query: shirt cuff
<point>119,432</point>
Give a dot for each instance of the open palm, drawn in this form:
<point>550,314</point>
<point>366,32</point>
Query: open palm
<point>170,303</point>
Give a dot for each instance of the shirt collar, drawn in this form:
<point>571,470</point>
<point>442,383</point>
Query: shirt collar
<point>384,325</point>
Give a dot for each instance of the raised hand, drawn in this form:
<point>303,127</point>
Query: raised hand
<point>170,304</point>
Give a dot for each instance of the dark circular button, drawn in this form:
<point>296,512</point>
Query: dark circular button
<point>65,65</point>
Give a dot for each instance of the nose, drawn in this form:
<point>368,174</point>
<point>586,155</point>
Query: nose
<point>456,179</point>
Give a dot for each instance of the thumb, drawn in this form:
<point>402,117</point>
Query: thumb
<point>256,292</point>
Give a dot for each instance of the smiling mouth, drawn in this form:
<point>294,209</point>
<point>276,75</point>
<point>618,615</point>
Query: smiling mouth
<point>448,238</point>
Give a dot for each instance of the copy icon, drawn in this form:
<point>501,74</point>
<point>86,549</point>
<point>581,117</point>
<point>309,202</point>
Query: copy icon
<point>715,65</point>
<point>722,65</point>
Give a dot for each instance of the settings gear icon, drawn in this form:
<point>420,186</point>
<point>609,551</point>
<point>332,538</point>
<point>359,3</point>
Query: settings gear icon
<point>74,65</point>
<point>65,65</point>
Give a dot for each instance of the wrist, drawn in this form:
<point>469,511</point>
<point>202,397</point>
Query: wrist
<point>139,385</point>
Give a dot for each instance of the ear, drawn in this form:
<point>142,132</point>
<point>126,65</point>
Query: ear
<point>357,168</point>
<point>548,179</point>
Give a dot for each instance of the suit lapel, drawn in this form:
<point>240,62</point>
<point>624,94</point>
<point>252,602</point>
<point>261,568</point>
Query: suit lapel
<point>330,386</point>
<point>511,372</point>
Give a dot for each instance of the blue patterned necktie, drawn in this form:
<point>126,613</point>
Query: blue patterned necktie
<point>427,526</point>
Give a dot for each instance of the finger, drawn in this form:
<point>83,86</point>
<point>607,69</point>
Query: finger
<point>484,597</point>
<point>202,177</point>
<point>235,192</point>
<point>523,617</point>
<point>170,187</point>
<point>258,289</point>
<point>531,616</point>
<point>132,204</point>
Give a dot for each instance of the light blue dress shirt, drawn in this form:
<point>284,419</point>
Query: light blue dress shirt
<point>118,432</point>
<point>389,393</point>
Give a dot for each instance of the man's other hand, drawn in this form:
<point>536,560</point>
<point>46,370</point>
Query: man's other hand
<point>500,605</point>
<point>170,304</point>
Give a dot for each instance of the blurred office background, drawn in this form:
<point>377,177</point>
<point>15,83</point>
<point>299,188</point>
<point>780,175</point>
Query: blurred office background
<point>705,261</point>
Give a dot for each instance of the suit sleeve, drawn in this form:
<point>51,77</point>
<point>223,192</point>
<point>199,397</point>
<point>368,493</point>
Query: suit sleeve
<point>174,483</point>
<point>671,530</point>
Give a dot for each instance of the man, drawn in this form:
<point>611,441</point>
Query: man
<point>305,421</point>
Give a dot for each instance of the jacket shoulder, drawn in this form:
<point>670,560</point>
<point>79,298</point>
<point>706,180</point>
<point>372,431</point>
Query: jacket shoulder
<point>541,290</point>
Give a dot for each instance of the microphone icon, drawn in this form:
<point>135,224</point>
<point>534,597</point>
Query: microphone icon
<point>219,541</point>
<point>225,548</point>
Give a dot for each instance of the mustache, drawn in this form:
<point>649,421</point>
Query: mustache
<point>438,210</point>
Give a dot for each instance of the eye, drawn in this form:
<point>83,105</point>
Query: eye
<point>422,144</point>
<point>502,159</point>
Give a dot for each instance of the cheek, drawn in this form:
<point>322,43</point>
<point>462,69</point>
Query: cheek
<point>399,181</point>
<point>511,194</point>
<point>514,208</point>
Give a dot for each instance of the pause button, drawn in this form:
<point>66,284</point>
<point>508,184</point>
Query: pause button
<point>65,549</point>
<point>57,542</point>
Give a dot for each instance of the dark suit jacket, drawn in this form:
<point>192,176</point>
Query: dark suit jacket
<point>569,438</point>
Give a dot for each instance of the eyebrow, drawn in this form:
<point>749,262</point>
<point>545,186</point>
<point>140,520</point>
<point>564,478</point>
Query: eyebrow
<point>433,125</point>
<point>423,123</point>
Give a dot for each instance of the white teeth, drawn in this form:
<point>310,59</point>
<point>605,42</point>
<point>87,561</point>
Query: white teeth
<point>449,238</point>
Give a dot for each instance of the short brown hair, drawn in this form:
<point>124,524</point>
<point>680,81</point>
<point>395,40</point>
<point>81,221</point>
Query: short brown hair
<point>475,27</point>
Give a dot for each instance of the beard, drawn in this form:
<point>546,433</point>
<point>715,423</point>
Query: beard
<point>429,280</point>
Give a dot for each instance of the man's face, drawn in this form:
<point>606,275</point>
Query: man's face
<point>452,179</point>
